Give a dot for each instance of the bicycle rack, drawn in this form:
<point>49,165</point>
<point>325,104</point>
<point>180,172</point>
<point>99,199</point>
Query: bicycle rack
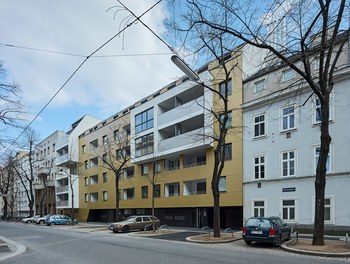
<point>205,228</point>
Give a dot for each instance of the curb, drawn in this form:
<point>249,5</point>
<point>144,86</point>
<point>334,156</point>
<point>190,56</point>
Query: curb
<point>19,249</point>
<point>193,240</point>
<point>313,253</point>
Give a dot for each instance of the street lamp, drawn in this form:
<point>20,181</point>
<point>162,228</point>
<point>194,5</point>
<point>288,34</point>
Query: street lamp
<point>185,68</point>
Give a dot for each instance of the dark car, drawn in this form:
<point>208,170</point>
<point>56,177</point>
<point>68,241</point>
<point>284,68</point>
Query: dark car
<point>265,230</point>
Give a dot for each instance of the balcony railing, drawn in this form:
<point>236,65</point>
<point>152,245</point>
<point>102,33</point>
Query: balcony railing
<point>184,112</point>
<point>62,142</point>
<point>62,159</point>
<point>62,203</point>
<point>61,189</point>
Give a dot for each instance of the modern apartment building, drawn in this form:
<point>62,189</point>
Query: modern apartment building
<point>46,172</point>
<point>171,148</point>
<point>67,151</point>
<point>281,146</point>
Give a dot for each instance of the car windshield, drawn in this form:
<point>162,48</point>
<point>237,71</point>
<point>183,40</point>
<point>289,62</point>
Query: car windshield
<point>256,222</point>
<point>130,219</point>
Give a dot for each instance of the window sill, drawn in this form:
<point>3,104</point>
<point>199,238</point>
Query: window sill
<point>259,137</point>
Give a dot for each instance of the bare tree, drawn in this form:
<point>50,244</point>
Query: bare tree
<point>25,168</point>
<point>7,182</point>
<point>114,154</point>
<point>295,33</point>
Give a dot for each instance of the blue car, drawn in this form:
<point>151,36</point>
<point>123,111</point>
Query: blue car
<point>59,220</point>
<point>265,230</point>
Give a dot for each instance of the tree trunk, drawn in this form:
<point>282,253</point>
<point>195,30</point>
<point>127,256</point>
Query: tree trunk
<point>320,182</point>
<point>4,215</point>
<point>216,197</point>
<point>153,226</point>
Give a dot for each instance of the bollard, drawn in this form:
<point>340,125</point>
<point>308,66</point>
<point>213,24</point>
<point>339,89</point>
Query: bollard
<point>346,239</point>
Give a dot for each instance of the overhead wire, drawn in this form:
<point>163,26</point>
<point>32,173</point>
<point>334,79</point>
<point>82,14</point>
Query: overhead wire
<point>83,56</point>
<point>76,70</point>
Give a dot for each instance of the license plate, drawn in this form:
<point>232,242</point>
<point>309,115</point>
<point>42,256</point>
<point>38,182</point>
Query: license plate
<point>256,232</point>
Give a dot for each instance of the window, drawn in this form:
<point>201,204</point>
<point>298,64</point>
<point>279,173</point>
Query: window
<point>144,168</point>
<point>157,166</point>
<point>259,167</point>
<point>94,197</point>
<point>83,149</point>
<point>222,88</point>
<point>258,208</point>
<point>317,150</point>
<point>144,121</point>
<point>104,177</point>
<point>104,158</point>
<point>116,135</point>
<point>316,63</point>
<point>86,181</point>
<point>222,184</point>
<point>228,151</point>
<point>259,86</point>
<point>105,196</point>
<point>288,75</point>
<point>129,172</point>
<point>119,154</point>
<point>259,125</point>
<point>288,118</point>
<point>288,163</point>
<point>126,130</point>
<point>289,210</point>
<point>144,145</point>
<point>104,140</point>
<point>229,119</point>
<point>86,196</point>
<point>328,209</point>
<point>129,194</point>
<point>201,187</point>
<point>317,110</point>
<point>144,192</point>
<point>156,190</point>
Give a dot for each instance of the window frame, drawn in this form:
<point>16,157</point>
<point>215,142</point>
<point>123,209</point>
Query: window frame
<point>285,74</point>
<point>316,104</point>
<point>288,209</point>
<point>288,161</point>
<point>257,84</point>
<point>259,164</point>
<point>222,87</point>
<point>259,124</point>
<point>229,119</point>
<point>259,208</point>
<point>316,157</point>
<point>145,146</point>
<point>288,116</point>
<point>144,120</point>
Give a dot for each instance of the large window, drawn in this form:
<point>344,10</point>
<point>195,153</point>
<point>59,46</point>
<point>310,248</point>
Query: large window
<point>259,125</point>
<point>288,118</point>
<point>144,145</point>
<point>105,196</point>
<point>229,119</point>
<point>259,167</point>
<point>228,151</point>
<point>317,150</point>
<point>222,184</point>
<point>317,112</point>
<point>144,191</point>
<point>222,87</point>
<point>288,163</point>
<point>156,190</point>
<point>144,121</point>
<point>289,210</point>
<point>258,208</point>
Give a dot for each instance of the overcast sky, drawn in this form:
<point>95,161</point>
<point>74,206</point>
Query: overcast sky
<point>104,85</point>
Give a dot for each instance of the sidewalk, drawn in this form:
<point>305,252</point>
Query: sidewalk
<point>9,248</point>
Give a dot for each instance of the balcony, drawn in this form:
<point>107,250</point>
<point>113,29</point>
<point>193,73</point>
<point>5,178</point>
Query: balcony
<point>190,140</point>
<point>62,203</point>
<point>61,143</point>
<point>180,113</point>
<point>43,171</point>
<point>62,159</point>
<point>62,189</point>
<point>40,185</point>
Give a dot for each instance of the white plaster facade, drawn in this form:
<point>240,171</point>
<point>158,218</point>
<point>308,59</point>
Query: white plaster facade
<point>267,188</point>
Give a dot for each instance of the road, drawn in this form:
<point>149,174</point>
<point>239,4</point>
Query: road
<point>61,245</point>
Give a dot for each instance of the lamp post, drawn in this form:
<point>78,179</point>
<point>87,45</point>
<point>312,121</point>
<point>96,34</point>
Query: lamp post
<point>185,68</point>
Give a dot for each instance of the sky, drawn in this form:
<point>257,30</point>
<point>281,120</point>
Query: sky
<point>124,71</point>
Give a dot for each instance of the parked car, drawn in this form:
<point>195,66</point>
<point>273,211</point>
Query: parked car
<point>265,230</point>
<point>41,220</point>
<point>135,222</point>
<point>29,219</point>
<point>59,220</point>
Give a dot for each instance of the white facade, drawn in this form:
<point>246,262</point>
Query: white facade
<point>68,153</point>
<point>281,138</point>
<point>180,122</point>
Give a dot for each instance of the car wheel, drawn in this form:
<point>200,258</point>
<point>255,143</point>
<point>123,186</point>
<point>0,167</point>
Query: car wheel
<point>125,229</point>
<point>248,242</point>
<point>41,222</point>
<point>53,223</point>
<point>279,242</point>
<point>28,221</point>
